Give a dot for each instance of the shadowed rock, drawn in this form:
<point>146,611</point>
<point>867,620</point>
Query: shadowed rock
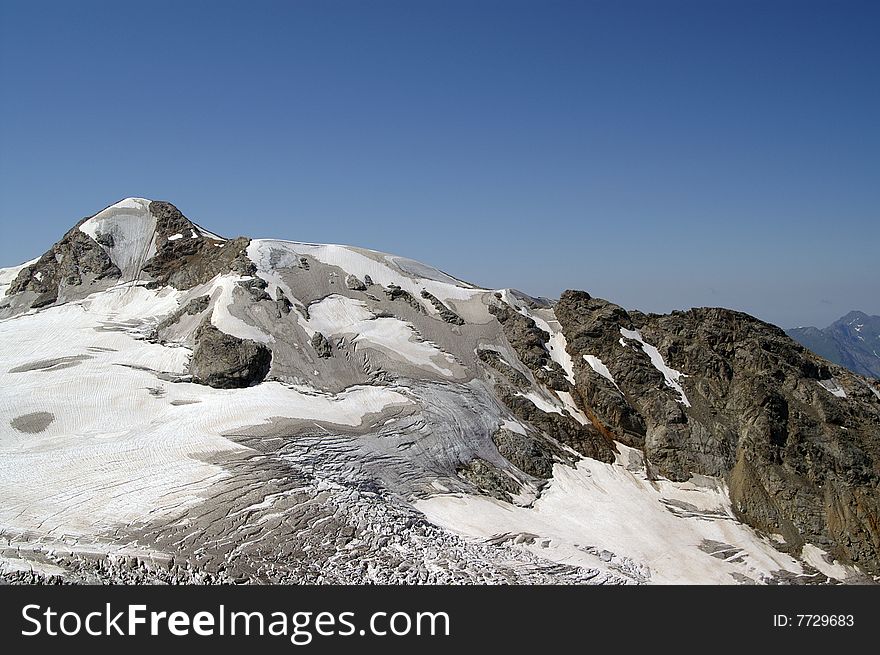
<point>226,362</point>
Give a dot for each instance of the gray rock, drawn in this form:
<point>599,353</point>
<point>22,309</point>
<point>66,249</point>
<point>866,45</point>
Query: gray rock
<point>193,307</point>
<point>529,454</point>
<point>282,303</point>
<point>489,479</point>
<point>445,313</point>
<point>354,283</point>
<point>394,292</point>
<point>70,262</point>
<point>530,341</point>
<point>226,362</point>
<point>799,461</point>
<point>321,345</point>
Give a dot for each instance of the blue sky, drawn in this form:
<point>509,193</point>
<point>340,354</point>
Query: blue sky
<point>662,154</point>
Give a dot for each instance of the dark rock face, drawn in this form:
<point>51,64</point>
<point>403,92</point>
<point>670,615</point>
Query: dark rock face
<point>489,479</point>
<point>282,303</point>
<point>226,362</point>
<point>529,454</point>
<point>852,341</point>
<point>185,263</point>
<point>445,313</point>
<point>585,439</point>
<point>72,261</point>
<point>799,460</point>
<point>321,345</point>
<point>493,359</point>
<point>528,340</point>
<point>394,292</point>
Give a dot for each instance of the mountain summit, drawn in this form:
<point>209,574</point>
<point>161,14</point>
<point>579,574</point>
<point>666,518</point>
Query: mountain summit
<point>852,341</point>
<point>183,407</point>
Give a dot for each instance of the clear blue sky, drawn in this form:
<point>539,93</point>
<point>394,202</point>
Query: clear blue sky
<point>662,154</point>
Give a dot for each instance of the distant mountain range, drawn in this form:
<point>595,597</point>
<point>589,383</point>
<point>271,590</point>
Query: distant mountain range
<point>852,341</point>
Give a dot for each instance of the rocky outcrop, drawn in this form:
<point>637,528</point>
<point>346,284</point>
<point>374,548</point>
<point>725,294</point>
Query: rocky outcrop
<point>193,307</point>
<point>584,439</point>
<point>188,262</point>
<point>394,292</point>
<point>282,303</point>
<point>226,362</point>
<point>507,372</point>
<point>321,345</point>
<point>445,313</point>
<point>528,340</point>
<point>75,260</point>
<point>354,283</point>
<point>489,479</point>
<point>797,439</point>
<point>529,454</point>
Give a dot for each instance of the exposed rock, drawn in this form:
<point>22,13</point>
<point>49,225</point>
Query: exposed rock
<point>368,280</point>
<point>321,345</point>
<point>75,259</point>
<point>256,287</point>
<point>226,362</point>
<point>193,307</point>
<point>851,341</point>
<point>185,263</point>
<point>282,303</point>
<point>584,439</point>
<point>529,341</point>
<point>508,372</point>
<point>529,454</point>
<point>489,479</point>
<point>394,292</point>
<point>799,460</point>
<point>354,283</point>
<point>445,313</point>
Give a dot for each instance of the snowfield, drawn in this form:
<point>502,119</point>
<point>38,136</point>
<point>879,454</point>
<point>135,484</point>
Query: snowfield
<point>387,451</point>
<point>121,446</point>
<point>610,516</point>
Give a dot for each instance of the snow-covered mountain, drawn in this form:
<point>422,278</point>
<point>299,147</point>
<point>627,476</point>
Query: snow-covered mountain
<point>181,407</point>
<point>852,341</point>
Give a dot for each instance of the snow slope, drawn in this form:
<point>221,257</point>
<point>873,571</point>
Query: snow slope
<point>611,516</point>
<point>121,446</point>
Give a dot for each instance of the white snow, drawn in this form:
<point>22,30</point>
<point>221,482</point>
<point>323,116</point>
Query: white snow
<point>600,368</point>
<point>115,454</point>
<point>338,315</point>
<point>832,386</point>
<point>133,229</point>
<point>222,289</point>
<point>175,237</point>
<point>383,269</point>
<point>594,505</point>
<point>541,403</point>
<point>572,408</point>
<point>514,426</point>
<point>816,557</point>
<point>208,234</point>
<point>671,376</point>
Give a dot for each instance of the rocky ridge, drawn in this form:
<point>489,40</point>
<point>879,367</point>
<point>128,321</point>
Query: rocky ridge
<point>485,394</point>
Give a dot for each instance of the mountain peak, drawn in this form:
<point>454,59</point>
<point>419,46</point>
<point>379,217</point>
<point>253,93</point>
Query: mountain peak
<point>853,317</point>
<point>850,341</point>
